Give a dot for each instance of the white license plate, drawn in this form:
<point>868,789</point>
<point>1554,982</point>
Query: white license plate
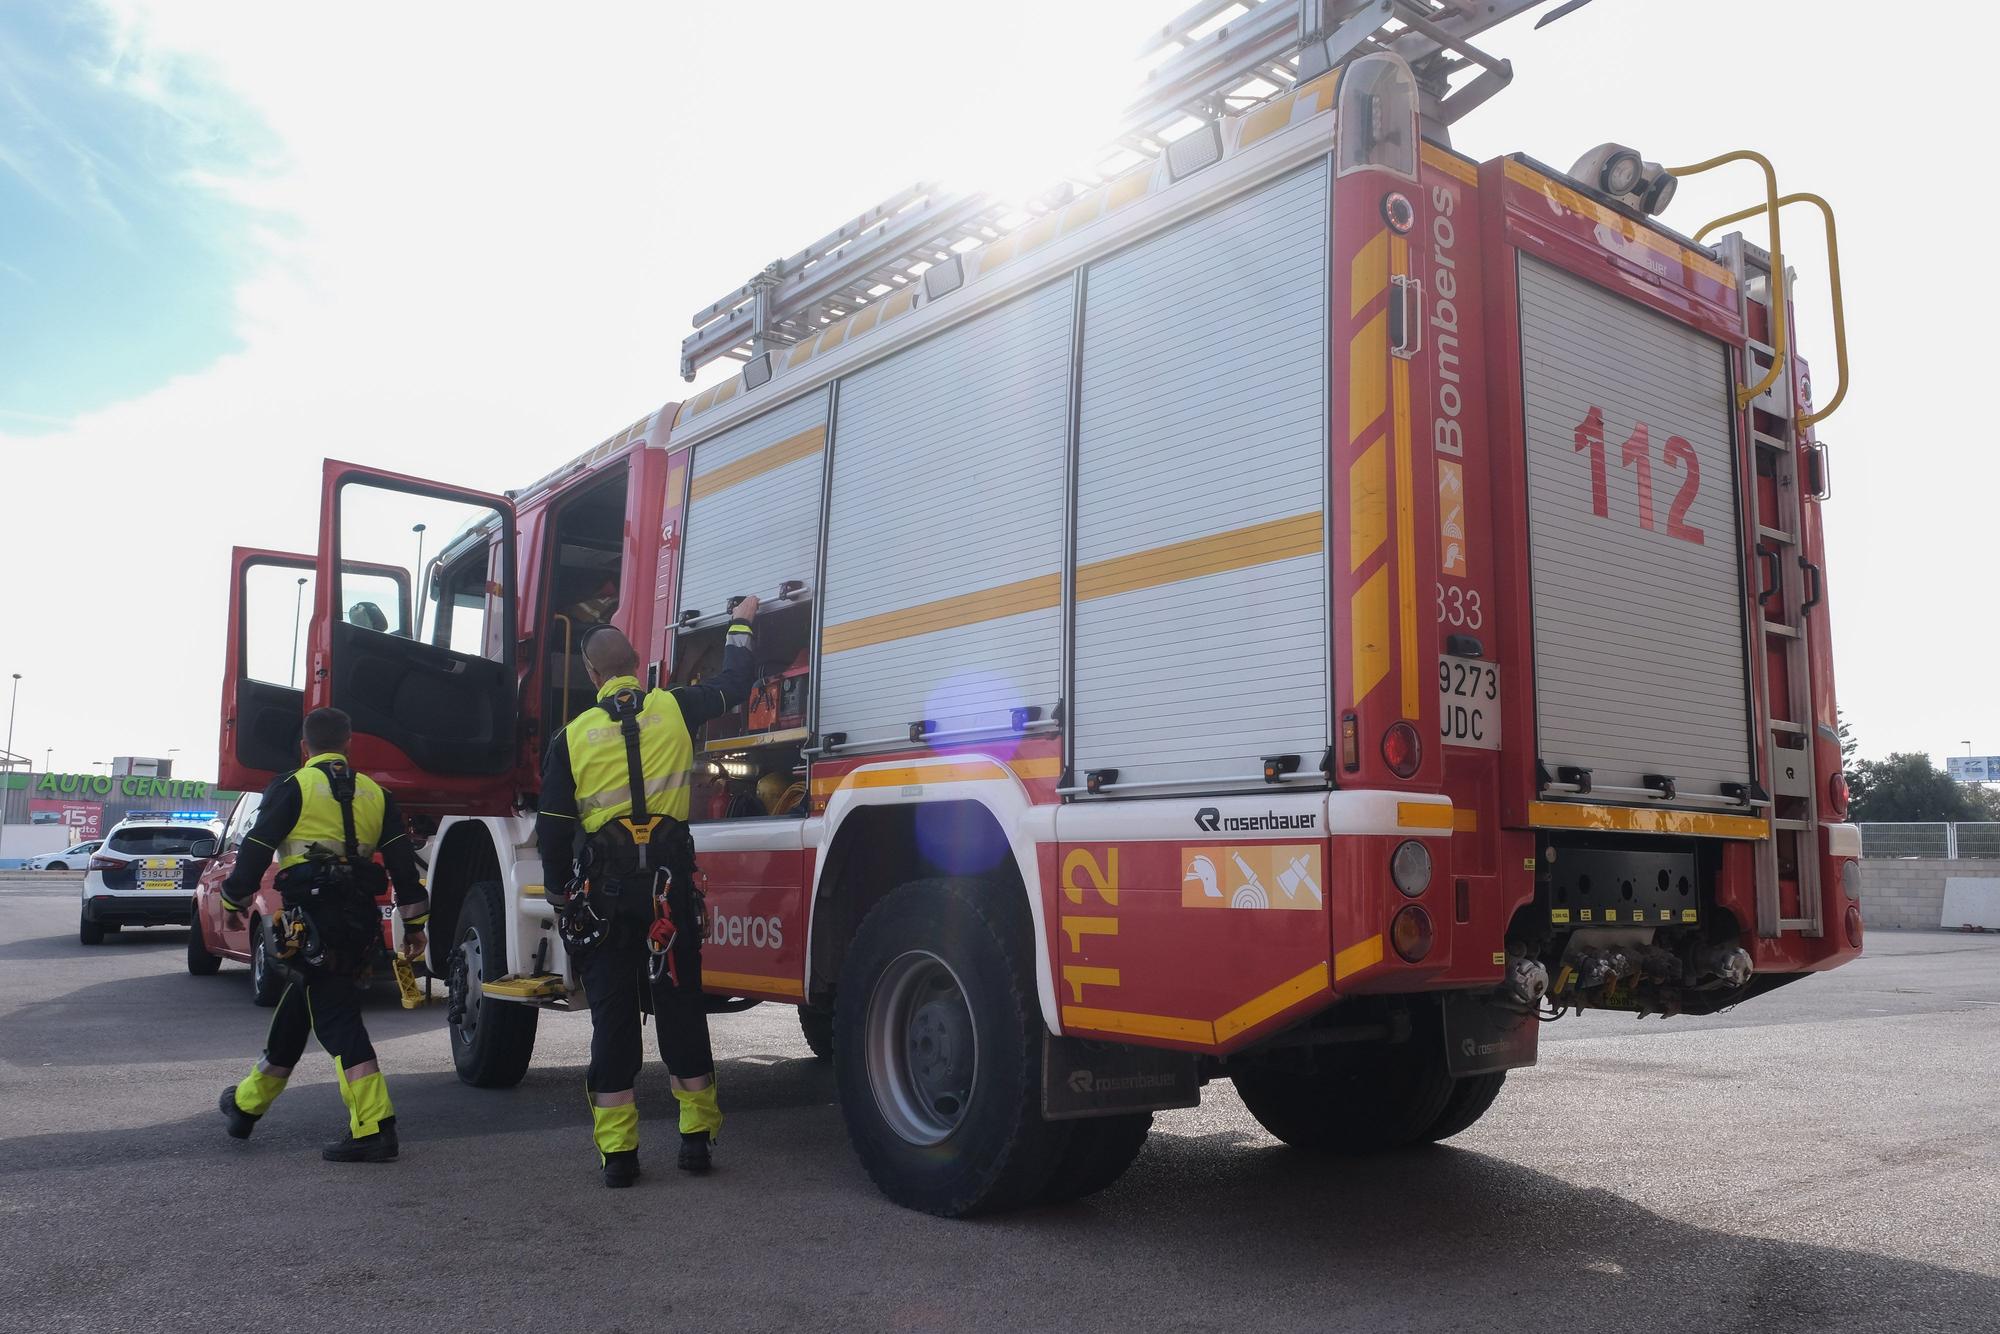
<point>1469,703</point>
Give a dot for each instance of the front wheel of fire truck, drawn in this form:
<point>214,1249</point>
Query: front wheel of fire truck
<point>492,1041</point>
<point>938,1050</point>
<point>1354,1099</point>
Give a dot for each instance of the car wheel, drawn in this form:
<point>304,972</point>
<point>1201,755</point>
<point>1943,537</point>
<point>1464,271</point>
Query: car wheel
<point>56,866</point>
<point>937,1050</point>
<point>492,1041</point>
<point>200,962</point>
<point>817,1025</point>
<point>267,980</point>
<point>87,931</point>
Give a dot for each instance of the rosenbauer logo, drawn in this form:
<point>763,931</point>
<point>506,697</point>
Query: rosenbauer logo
<point>1211,821</point>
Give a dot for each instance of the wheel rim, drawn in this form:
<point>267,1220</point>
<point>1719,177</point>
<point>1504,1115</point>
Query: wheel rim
<point>465,980</point>
<point>923,1054</point>
<point>260,959</point>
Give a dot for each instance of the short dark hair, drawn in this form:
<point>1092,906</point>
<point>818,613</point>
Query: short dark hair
<point>609,652</point>
<point>328,729</point>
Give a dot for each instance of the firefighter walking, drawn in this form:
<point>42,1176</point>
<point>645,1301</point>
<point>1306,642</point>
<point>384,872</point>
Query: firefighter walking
<point>325,823</point>
<point>618,866</point>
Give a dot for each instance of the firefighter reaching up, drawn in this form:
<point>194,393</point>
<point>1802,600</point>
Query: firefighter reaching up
<point>618,866</point>
<point>325,823</point>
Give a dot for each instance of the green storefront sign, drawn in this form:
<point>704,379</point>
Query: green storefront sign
<point>126,785</point>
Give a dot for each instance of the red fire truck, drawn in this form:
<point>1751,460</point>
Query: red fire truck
<point>1300,606</point>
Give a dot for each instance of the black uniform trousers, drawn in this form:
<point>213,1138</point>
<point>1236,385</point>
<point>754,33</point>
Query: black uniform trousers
<point>324,1000</point>
<point>615,970</point>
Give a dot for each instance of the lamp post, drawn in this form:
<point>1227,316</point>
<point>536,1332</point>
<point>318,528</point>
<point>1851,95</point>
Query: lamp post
<point>14,695</point>
<point>298,601</point>
<point>171,752</point>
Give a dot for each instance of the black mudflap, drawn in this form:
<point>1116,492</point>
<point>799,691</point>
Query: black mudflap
<point>1481,1037</point>
<point>1081,1078</point>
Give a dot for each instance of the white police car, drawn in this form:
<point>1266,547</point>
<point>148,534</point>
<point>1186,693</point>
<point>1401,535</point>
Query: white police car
<point>144,874</point>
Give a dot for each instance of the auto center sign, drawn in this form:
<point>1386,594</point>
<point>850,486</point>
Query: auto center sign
<point>124,785</point>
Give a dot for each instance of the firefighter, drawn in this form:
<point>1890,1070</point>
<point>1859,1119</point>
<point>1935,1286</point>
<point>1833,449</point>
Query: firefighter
<point>325,823</point>
<point>618,866</point>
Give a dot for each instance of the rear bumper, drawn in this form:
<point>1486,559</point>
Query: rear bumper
<point>153,909</point>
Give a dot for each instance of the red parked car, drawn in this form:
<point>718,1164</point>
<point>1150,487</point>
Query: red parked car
<point>215,935</point>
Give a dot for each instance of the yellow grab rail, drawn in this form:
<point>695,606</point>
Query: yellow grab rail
<point>1778,340</point>
<point>1833,268</point>
<point>568,630</point>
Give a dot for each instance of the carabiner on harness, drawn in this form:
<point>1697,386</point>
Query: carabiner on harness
<point>579,923</point>
<point>661,935</point>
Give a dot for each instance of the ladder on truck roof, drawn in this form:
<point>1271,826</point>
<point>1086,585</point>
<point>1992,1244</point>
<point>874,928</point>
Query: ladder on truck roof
<point>1216,57</point>
<point>1787,748</point>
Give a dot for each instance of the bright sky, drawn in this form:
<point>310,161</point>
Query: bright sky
<point>463,241</point>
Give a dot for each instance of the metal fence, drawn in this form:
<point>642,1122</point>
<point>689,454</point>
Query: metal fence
<point>1931,838</point>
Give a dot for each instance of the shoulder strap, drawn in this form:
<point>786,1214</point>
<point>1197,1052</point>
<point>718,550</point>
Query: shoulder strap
<point>625,706</point>
<point>341,780</point>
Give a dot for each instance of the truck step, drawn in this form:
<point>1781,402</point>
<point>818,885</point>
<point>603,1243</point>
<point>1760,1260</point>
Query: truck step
<point>531,988</point>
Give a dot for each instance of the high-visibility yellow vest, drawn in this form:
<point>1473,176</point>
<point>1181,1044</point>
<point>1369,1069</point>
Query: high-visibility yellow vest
<point>320,831</point>
<point>598,765</point>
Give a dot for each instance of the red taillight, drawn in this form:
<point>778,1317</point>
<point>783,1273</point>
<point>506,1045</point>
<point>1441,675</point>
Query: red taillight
<point>1411,933</point>
<point>1836,790</point>
<point>1401,749</point>
<point>105,864</point>
<point>1854,925</point>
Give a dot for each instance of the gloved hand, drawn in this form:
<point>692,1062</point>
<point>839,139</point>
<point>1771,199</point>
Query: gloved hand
<point>415,942</point>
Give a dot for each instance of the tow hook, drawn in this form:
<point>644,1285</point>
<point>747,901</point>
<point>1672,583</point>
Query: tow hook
<point>1526,983</point>
<point>1728,965</point>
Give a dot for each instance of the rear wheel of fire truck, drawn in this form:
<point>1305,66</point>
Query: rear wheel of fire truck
<point>938,1052</point>
<point>1358,1099</point>
<point>267,980</point>
<point>1100,1148</point>
<point>817,1025</point>
<point>1470,1097</point>
<point>200,962</point>
<point>87,931</point>
<point>491,1041</point>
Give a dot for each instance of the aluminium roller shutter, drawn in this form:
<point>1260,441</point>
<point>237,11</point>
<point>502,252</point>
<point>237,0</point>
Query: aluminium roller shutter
<point>1201,615</point>
<point>945,526</point>
<point>753,506</point>
<point>1639,658</point>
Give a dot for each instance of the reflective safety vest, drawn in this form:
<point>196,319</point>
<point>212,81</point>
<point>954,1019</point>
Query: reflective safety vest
<point>597,759</point>
<point>320,832</point>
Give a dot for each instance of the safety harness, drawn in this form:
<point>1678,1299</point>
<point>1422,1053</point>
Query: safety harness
<point>296,937</point>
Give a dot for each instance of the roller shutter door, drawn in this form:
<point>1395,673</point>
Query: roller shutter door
<point>945,527</point>
<point>753,507</point>
<point>1639,659</point>
<point>1201,615</point>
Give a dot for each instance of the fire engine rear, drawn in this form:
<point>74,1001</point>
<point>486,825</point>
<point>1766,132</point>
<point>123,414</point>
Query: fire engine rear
<point>1297,605</point>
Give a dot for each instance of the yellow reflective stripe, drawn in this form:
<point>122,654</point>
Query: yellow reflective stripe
<point>622,794</point>
<point>367,1100</point>
<point>699,1111</point>
<point>615,1128</point>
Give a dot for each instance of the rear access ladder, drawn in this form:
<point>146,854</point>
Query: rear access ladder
<point>1782,605</point>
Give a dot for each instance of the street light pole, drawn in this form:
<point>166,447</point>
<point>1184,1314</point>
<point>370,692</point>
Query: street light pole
<point>298,600</point>
<point>13,696</point>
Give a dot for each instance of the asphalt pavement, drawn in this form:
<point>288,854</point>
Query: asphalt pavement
<point>1826,1158</point>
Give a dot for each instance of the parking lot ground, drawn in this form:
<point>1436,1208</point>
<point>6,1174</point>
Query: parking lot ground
<point>1827,1158</point>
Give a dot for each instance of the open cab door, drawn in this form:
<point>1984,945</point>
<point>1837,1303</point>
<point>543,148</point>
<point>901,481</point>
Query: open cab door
<point>265,660</point>
<point>432,697</point>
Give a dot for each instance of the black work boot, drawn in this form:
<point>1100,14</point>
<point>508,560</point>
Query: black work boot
<point>621,1168</point>
<point>241,1123</point>
<point>695,1151</point>
<point>379,1147</point>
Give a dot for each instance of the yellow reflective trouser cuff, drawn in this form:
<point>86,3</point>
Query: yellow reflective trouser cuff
<point>367,1100</point>
<point>616,1129</point>
<point>699,1111</point>
<point>257,1092</point>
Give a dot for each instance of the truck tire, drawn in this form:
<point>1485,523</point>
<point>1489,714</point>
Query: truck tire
<point>87,931</point>
<point>1470,1097</point>
<point>491,1041</point>
<point>937,1050</point>
<point>817,1025</point>
<point>267,980</point>
<point>1100,1148</point>
<point>1353,1100</point>
<point>200,962</point>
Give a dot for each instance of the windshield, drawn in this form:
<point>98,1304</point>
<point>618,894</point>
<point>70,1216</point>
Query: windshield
<point>157,840</point>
